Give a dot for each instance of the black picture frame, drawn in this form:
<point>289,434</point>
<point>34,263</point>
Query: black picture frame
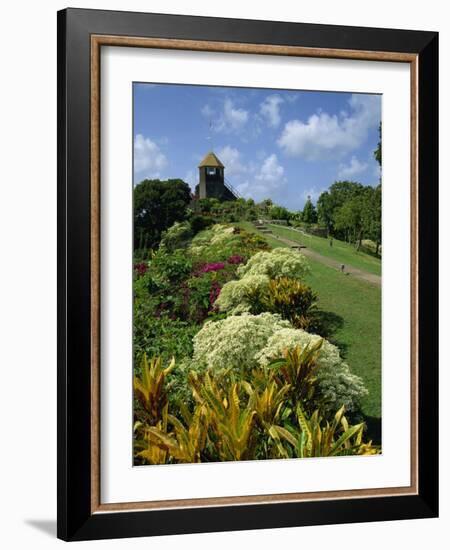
<point>75,518</point>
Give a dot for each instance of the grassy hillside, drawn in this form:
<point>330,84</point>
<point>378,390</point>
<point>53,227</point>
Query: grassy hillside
<point>340,251</point>
<point>352,310</point>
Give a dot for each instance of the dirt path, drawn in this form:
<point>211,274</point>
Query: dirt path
<point>349,270</point>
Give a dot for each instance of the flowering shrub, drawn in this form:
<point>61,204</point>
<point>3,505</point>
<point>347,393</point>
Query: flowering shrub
<point>232,343</point>
<point>336,385</point>
<point>215,244</point>
<point>206,268</point>
<point>234,297</point>
<point>225,244</point>
<point>236,259</point>
<point>141,268</point>
<point>280,262</point>
<point>240,343</point>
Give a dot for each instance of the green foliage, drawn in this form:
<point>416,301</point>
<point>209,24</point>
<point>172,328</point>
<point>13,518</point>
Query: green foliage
<point>316,437</point>
<point>150,391</point>
<point>157,206</point>
<point>291,298</point>
<point>167,268</point>
<point>254,418</point>
<point>279,213</point>
<point>221,241</point>
<point>351,211</point>
<point>377,153</point>
<point>177,236</point>
<point>297,367</point>
<point>198,223</point>
<point>183,444</point>
<point>309,214</point>
<point>161,336</point>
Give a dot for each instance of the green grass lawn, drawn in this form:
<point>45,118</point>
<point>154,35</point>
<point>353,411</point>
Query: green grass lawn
<point>353,310</point>
<point>342,252</point>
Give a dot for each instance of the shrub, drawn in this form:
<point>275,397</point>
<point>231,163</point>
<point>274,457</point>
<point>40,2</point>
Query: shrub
<point>280,262</point>
<point>177,236</point>
<point>230,345</point>
<point>150,389</point>
<point>198,223</point>
<point>291,298</point>
<point>161,336</point>
<point>169,267</point>
<point>237,296</point>
<point>315,436</point>
<point>236,259</point>
<point>336,385</point>
<point>230,420</point>
<point>206,268</point>
<point>220,242</point>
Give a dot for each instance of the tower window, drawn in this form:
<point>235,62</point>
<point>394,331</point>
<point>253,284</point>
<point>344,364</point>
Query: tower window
<point>211,171</point>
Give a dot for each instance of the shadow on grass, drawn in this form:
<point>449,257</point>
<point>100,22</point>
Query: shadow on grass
<point>328,322</point>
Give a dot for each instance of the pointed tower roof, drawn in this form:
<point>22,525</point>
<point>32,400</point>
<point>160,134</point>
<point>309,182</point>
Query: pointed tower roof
<point>211,160</point>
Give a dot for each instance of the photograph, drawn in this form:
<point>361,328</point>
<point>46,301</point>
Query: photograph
<point>257,274</point>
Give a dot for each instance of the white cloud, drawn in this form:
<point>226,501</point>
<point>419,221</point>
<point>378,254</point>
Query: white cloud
<point>232,160</point>
<point>207,111</point>
<point>270,110</point>
<point>232,119</point>
<point>352,169</point>
<point>325,136</point>
<point>271,170</point>
<point>149,160</point>
<point>269,178</point>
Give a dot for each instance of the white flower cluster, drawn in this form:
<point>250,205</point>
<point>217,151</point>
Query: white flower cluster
<point>240,343</point>
<point>280,262</point>
<point>233,343</point>
<point>233,296</point>
<point>337,386</point>
<point>218,234</point>
<point>255,276</point>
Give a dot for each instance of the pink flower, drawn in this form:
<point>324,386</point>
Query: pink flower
<point>236,259</point>
<point>206,268</point>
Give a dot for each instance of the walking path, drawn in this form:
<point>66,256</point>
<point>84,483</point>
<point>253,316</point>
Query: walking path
<point>353,271</point>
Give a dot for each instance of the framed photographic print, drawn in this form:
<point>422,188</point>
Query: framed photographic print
<point>247,274</point>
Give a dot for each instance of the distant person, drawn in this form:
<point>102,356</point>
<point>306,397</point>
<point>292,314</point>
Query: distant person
<point>342,268</point>
<point>331,241</point>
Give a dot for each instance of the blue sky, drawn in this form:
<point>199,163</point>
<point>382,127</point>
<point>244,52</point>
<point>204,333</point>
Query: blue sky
<point>280,144</point>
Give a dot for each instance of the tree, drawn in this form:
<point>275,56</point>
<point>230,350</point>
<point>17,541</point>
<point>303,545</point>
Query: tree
<point>157,206</point>
<point>309,214</point>
<point>377,152</point>
<point>325,211</point>
<point>279,213</point>
<point>372,216</point>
